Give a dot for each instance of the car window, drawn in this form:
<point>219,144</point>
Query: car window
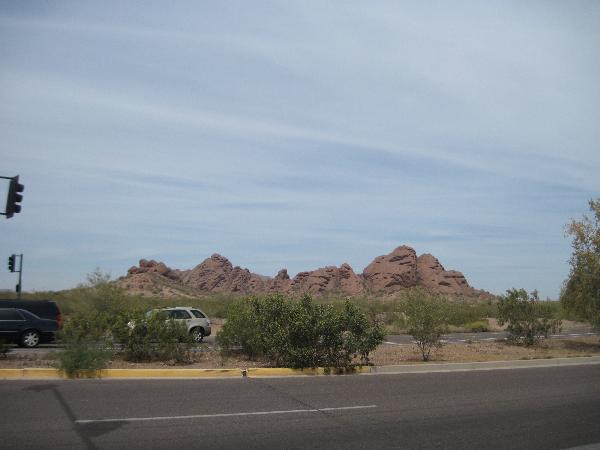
<point>28,314</point>
<point>178,314</point>
<point>10,314</point>
<point>198,314</point>
<point>183,314</point>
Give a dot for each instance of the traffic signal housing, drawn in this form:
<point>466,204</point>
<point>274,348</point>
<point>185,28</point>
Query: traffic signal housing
<point>11,262</point>
<point>14,198</point>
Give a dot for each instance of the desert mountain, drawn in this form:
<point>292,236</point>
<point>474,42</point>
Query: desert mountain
<point>386,275</point>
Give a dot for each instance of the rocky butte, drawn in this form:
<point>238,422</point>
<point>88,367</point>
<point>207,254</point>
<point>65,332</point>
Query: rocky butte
<point>385,276</point>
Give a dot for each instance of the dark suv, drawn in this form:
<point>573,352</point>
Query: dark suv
<point>25,328</point>
<point>46,309</point>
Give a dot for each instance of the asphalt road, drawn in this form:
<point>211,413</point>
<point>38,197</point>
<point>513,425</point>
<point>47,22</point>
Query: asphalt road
<point>543,408</point>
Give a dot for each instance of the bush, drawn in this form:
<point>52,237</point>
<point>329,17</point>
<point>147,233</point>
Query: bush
<point>83,359</point>
<point>152,338</point>
<point>299,334</point>
<point>4,349</point>
<point>87,344</point>
<point>479,326</point>
<point>427,322</point>
<point>528,319</point>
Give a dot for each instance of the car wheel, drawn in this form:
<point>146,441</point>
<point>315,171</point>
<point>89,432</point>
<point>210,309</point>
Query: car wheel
<point>30,338</point>
<point>198,335</point>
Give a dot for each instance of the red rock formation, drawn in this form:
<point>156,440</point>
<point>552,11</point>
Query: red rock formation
<point>393,272</point>
<point>434,277</point>
<point>281,282</point>
<point>152,266</point>
<point>386,275</point>
<point>328,280</point>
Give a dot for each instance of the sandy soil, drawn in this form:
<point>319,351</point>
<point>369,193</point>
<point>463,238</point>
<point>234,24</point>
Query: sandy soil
<point>488,351</point>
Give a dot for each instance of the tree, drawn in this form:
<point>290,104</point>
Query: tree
<point>426,320</point>
<point>581,291</point>
<point>527,318</point>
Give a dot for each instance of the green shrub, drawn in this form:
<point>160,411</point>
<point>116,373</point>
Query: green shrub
<point>4,349</point>
<point>299,334</point>
<point>478,326</point>
<point>528,319</point>
<point>151,338</point>
<point>88,344</point>
<point>427,321</point>
<point>83,359</point>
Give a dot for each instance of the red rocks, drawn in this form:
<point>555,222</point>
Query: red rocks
<point>216,274</point>
<point>281,282</point>
<point>393,272</point>
<point>386,275</point>
<point>154,267</point>
<point>434,277</point>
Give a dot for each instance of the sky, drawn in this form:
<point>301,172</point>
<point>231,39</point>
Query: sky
<point>298,135</point>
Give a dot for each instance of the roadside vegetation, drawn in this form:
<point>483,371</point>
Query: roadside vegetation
<point>4,349</point>
<point>581,291</point>
<point>299,334</point>
<point>528,320</point>
<point>427,321</point>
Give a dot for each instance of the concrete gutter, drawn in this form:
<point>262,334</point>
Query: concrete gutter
<point>47,373</point>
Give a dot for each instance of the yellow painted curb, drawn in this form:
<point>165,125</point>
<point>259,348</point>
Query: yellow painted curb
<point>280,372</point>
<point>48,373</point>
<point>30,373</point>
<point>169,373</point>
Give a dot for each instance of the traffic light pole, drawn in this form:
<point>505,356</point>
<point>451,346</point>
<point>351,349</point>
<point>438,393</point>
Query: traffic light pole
<point>12,266</point>
<point>20,274</point>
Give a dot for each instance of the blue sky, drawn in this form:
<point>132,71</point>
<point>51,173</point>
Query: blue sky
<point>299,135</point>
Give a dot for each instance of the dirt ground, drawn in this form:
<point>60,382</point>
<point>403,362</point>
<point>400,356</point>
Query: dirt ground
<point>382,356</point>
<point>489,351</point>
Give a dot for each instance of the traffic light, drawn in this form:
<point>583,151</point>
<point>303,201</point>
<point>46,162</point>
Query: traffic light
<point>13,201</point>
<point>11,262</point>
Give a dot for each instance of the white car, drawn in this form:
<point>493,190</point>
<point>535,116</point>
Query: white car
<point>196,322</point>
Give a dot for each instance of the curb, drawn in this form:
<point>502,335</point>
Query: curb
<point>259,372</point>
<point>486,365</point>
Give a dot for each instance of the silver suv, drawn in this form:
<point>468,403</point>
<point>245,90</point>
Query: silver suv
<point>197,323</point>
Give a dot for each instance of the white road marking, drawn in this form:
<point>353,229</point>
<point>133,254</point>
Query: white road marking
<point>391,343</point>
<point>208,416</point>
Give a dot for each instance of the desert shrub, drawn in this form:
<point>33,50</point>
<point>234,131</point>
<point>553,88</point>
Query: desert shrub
<point>88,344</point>
<point>528,320</point>
<point>461,314</point>
<point>299,333</point>
<point>426,320</point>
<point>478,326</point>
<point>83,358</point>
<point>4,348</point>
<point>152,337</point>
